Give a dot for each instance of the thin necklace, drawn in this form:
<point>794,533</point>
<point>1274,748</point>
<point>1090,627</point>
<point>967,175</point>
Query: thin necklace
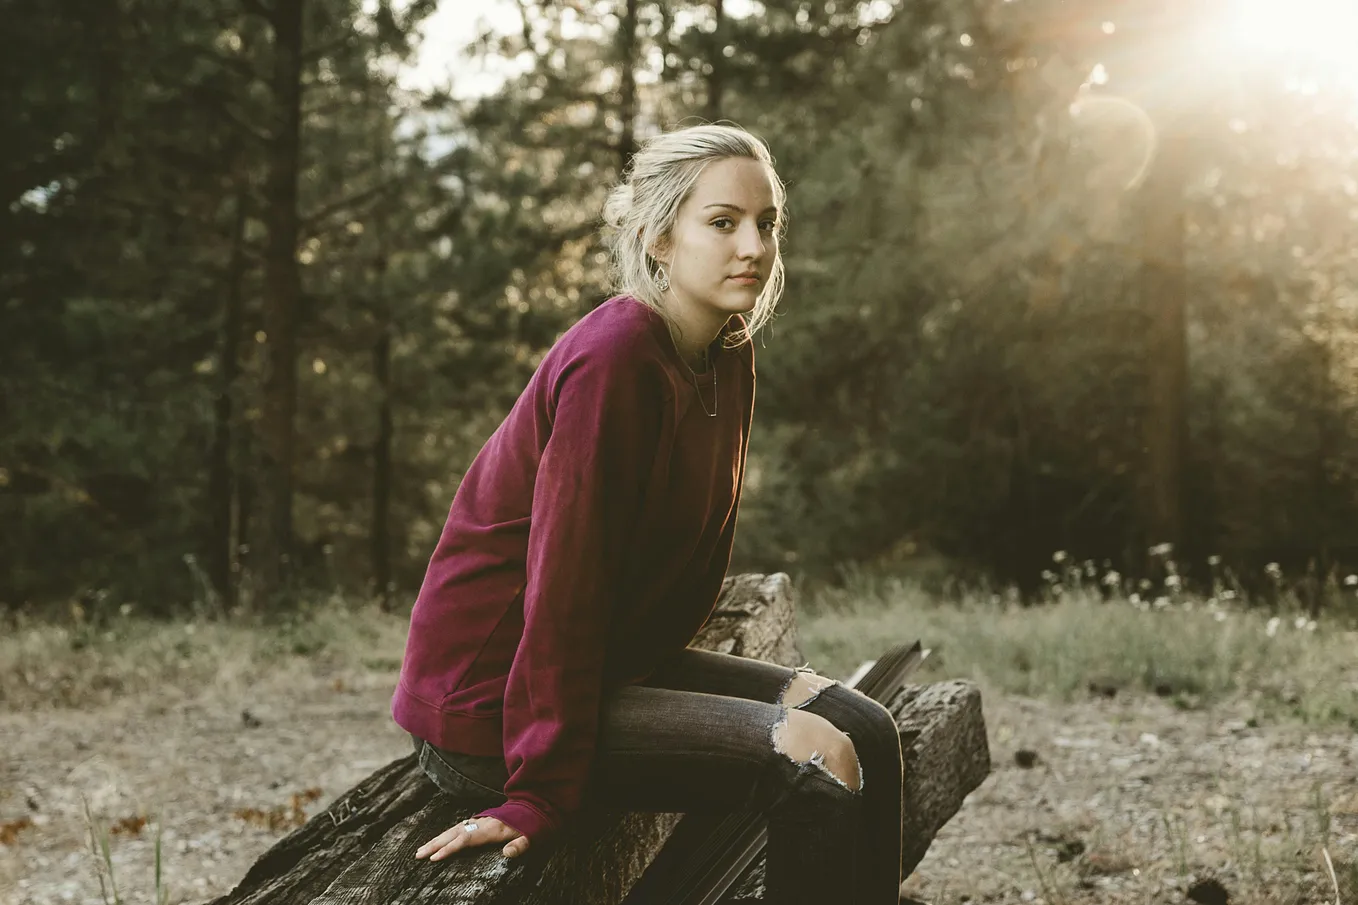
<point>694,377</point>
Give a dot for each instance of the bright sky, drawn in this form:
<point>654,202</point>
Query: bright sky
<point>1320,31</point>
<point>446,32</point>
<point>451,27</point>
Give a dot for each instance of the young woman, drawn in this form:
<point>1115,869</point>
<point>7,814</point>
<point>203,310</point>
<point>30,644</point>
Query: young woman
<point>547,663</point>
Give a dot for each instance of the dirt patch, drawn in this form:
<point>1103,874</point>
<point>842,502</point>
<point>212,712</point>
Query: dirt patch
<point>1126,800</point>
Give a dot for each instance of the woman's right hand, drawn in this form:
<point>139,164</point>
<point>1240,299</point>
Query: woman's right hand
<point>488,830</point>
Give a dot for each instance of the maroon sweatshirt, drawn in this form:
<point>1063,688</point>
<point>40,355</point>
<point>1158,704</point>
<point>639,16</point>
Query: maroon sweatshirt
<point>587,541</point>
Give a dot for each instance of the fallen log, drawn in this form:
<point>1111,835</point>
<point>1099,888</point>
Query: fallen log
<point>359,851</point>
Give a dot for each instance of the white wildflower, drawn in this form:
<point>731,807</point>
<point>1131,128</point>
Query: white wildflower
<point>1214,560</point>
<point>1059,556</point>
<point>1272,628</point>
<point>1173,582</point>
<point>1299,622</point>
<point>1351,581</point>
<point>1161,550</point>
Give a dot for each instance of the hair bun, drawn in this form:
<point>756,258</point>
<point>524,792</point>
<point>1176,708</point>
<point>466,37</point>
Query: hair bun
<point>618,205</point>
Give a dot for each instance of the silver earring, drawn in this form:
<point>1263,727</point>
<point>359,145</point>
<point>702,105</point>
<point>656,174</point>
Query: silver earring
<point>662,281</point>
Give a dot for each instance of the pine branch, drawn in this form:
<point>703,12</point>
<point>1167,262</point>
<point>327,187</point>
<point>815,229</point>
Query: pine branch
<point>312,224</point>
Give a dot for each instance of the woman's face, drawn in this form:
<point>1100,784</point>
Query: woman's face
<point>725,229</point>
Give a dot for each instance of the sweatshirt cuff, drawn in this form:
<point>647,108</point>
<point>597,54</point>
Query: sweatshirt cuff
<point>528,820</point>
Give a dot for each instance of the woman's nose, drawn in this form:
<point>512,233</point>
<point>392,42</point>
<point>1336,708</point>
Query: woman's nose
<point>751,242</point>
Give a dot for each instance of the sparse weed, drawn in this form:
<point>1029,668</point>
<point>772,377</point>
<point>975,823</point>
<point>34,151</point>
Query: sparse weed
<point>103,860</point>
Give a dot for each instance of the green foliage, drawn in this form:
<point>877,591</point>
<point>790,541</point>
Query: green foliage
<point>960,369</point>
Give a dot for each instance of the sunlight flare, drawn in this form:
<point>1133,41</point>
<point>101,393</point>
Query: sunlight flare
<point>1317,32</point>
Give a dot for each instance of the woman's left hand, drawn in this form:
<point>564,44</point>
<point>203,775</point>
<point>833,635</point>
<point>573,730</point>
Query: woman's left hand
<point>488,830</point>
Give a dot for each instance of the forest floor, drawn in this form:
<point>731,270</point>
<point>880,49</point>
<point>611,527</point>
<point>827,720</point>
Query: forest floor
<point>1121,797</point>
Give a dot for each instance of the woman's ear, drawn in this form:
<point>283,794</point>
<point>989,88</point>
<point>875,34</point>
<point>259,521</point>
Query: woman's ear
<point>660,251</point>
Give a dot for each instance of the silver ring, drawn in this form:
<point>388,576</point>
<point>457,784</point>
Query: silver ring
<point>469,827</point>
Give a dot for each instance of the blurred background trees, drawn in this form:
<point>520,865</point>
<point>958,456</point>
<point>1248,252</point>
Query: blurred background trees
<point>1061,277</point>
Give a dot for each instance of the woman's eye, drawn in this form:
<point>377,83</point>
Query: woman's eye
<point>769,226</point>
<point>719,221</point>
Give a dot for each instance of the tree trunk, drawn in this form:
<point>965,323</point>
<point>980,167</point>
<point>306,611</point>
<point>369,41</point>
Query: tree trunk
<point>717,60</point>
<point>282,290</point>
<point>221,479</point>
<point>627,45</point>
<point>381,515</point>
<point>1164,288</point>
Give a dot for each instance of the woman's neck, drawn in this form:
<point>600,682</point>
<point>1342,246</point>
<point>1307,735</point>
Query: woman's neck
<point>694,355</point>
<point>693,340</point>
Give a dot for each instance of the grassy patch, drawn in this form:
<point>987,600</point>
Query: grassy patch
<point>1195,652</point>
<point>80,663</point>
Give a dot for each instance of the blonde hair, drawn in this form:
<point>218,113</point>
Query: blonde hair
<point>642,209</point>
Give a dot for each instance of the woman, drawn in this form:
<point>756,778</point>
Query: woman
<point>547,662</point>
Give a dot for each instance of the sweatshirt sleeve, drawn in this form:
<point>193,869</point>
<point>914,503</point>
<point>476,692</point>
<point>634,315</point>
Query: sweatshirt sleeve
<point>605,427</point>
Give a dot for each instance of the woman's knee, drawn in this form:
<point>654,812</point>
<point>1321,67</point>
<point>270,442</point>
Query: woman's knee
<point>806,738</point>
<point>868,723</point>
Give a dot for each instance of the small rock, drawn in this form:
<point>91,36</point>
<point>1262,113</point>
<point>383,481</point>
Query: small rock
<point>1069,850</point>
<point>250,720</point>
<point>1025,758</point>
<point>1208,892</point>
<point>1103,688</point>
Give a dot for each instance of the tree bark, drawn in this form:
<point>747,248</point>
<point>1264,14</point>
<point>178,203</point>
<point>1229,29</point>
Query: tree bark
<point>282,291</point>
<point>381,514</point>
<point>627,44</point>
<point>1164,288</point>
<point>221,478</point>
<point>716,80</point>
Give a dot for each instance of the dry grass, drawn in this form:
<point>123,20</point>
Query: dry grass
<point>1194,652</point>
<point>1176,743</point>
<point>83,663</point>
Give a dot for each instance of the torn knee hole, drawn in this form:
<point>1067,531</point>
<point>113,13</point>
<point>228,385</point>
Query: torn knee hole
<point>803,687</point>
<point>800,750</point>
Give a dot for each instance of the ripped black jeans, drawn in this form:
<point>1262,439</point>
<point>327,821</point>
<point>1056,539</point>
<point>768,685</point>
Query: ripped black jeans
<point>699,736</point>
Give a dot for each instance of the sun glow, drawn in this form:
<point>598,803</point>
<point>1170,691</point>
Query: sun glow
<point>1318,34</point>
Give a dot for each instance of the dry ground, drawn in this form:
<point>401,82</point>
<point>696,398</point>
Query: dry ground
<point>1129,799</point>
